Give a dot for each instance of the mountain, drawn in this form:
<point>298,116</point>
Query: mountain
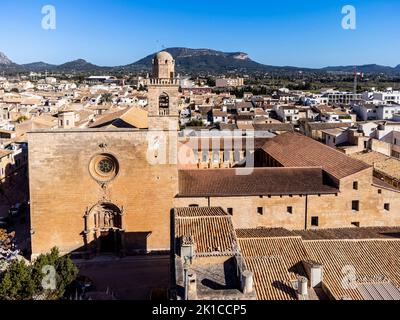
<point>368,68</point>
<point>4,60</point>
<point>80,66</point>
<point>38,66</point>
<point>208,61</point>
<point>189,61</point>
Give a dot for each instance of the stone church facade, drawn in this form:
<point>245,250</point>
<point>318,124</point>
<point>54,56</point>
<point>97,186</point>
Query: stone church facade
<point>96,190</point>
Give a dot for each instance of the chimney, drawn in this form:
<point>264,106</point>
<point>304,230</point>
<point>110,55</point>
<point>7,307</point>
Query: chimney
<point>187,249</point>
<point>247,282</point>
<point>316,275</point>
<point>302,288</point>
<point>315,272</point>
<point>192,286</point>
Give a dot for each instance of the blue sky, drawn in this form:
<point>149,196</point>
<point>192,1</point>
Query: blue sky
<point>305,33</point>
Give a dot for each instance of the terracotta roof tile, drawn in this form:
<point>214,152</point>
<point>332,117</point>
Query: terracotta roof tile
<point>260,181</point>
<point>296,150</point>
<point>373,261</point>
<point>211,229</point>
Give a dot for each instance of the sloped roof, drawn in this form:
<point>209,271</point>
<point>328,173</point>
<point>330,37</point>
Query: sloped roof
<point>370,261</point>
<point>388,165</point>
<point>131,117</point>
<point>350,233</point>
<point>297,150</point>
<point>275,263</point>
<point>252,182</point>
<point>211,229</point>
<point>271,278</point>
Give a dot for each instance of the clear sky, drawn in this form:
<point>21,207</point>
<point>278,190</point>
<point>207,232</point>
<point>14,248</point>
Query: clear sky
<point>305,33</point>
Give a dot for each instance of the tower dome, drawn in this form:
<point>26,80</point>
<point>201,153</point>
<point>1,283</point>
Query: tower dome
<point>163,56</point>
<point>163,66</point>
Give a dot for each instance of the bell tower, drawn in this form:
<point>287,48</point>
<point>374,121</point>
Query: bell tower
<point>163,94</point>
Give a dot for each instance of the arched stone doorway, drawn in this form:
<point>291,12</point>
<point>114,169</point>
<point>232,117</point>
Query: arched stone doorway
<point>104,231</point>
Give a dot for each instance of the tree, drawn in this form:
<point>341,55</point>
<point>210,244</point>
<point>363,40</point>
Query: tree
<point>106,98</point>
<point>65,272</point>
<point>22,119</point>
<point>17,283</point>
<point>47,278</point>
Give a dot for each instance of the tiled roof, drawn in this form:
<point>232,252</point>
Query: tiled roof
<point>325,125</point>
<point>274,127</point>
<point>271,278</point>
<point>212,232</point>
<point>350,233</point>
<point>290,249</point>
<point>252,181</point>
<point>193,212</point>
<point>129,117</point>
<point>388,165</point>
<point>364,261</point>
<point>264,233</point>
<point>286,149</point>
<point>275,263</point>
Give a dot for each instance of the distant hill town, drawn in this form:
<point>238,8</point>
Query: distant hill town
<point>189,61</point>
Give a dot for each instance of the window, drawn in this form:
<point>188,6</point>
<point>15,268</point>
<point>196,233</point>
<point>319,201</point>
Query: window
<point>356,224</point>
<point>355,205</point>
<point>260,211</point>
<point>163,103</point>
<point>105,166</point>
<point>379,191</point>
<point>387,206</point>
<point>355,185</point>
<point>289,210</point>
<point>314,221</point>
<point>230,211</point>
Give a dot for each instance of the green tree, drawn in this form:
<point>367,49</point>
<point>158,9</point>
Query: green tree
<point>25,282</point>
<point>106,98</point>
<point>17,283</point>
<point>65,272</point>
<point>22,119</point>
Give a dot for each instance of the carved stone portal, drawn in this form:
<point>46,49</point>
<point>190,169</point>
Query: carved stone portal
<point>104,229</point>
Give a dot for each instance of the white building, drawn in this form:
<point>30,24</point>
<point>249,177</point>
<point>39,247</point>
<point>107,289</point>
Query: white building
<point>287,114</point>
<point>379,97</point>
<point>377,112</point>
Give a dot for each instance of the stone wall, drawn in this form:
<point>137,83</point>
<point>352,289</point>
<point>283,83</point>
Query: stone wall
<point>333,211</point>
<point>62,189</point>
